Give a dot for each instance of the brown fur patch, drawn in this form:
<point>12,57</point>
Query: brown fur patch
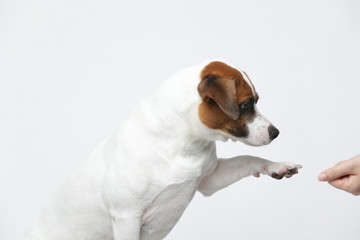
<point>220,69</point>
<point>212,115</point>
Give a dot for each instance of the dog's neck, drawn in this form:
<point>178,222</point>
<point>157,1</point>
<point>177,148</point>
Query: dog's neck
<point>173,111</point>
<point>169,119</point>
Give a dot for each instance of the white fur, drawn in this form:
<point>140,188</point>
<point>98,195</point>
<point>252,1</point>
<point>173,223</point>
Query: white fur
<point>138,182</point>
<point>248,81</point>
<point>258,130</point>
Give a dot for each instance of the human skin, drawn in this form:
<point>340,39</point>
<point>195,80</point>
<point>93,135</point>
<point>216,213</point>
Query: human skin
<point>345,175</point>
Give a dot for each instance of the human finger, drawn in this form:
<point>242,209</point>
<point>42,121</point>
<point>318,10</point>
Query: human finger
<point>341,169</point>
<point>341,183</point>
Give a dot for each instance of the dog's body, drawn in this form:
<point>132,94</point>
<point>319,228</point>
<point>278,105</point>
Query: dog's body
<point>138,182</point>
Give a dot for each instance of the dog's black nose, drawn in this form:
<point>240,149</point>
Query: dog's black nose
<point>273,132</point>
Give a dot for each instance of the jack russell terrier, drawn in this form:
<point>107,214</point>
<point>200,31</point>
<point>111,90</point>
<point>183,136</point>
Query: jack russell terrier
<point>137,183</point>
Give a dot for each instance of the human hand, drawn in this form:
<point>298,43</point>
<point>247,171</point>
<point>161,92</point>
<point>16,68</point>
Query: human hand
<point>345,175</point>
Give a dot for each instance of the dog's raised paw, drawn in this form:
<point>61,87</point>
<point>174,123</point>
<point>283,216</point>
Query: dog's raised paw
<point>283,169</point>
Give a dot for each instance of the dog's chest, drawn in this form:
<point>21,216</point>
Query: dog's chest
<point>166,209</point>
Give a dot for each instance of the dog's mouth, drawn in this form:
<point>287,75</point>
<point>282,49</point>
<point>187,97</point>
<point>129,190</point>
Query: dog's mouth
<point>257,143</point>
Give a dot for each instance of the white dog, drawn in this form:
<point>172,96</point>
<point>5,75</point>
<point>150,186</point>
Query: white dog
<point>137,184</point>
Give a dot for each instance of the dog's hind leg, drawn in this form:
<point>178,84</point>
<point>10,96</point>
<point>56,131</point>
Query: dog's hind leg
<point>232,170</point>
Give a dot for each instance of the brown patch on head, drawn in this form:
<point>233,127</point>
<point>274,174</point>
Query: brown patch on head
<point>224,91</point>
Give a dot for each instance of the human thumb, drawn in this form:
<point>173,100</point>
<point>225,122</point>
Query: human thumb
<point>341,169</point>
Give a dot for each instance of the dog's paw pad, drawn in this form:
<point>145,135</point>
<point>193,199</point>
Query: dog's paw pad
<point>280,170</point>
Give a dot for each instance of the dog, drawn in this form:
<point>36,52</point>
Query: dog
<point>137,183</point>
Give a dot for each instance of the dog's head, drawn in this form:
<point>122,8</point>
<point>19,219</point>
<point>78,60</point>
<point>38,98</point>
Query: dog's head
<point>229,106</point>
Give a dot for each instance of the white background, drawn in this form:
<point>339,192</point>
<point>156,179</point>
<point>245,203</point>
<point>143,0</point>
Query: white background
<point>71,70</point>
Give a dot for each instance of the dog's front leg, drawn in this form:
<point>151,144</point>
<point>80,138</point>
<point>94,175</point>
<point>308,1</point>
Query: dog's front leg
<point>231,170</point>
<point>126,228</point>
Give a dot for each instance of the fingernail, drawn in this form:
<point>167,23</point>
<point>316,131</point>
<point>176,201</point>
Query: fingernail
<point>322,177</point>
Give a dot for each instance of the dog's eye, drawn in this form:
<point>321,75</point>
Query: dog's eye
<point>246,105</point>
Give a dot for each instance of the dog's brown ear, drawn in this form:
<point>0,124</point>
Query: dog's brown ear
<point>223,92</point>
